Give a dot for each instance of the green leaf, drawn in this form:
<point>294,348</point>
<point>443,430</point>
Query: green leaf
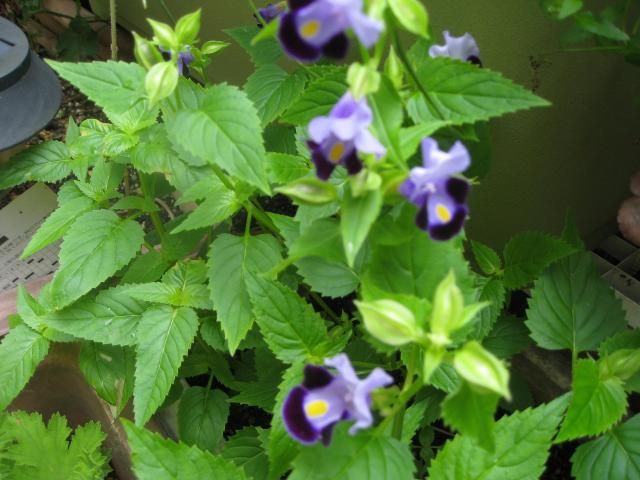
<point>318,99</point>
<point>202,416</point>
<point>114,86</point>
<point>355,457</point>
<point>527,255</point>
<point>273,90</point>
<point>508,337</point>
<point>491,290</point>
<point>245,450</point>
<point>45,162</point>
<point>358,216</point>
<point>262,391</point>
<point>600,26</point>
<point>487,258</point>
<point>111,318</point>
<point>109,371</point>
<point>412,15</point>
<point>225,130</point>
<point>411,137</point>
<point>283,168</point>
<point>522,445</point>
<point>388,116</point>
<point>561,9</point>
<point>572,307</point>
<point>20,353</point>
<point>461,92</point>
<point>596,404</point>
<point>157,458</point>
<point>32,313</point>
<point>146,268</point>
<point>219,205</point>
<point>165,335</point>
<point>328,277</point>
<point>266,51</point>
<point>614,455</point>
<point>232,262</point>
<point>471,413</point>
<point>291,328</point>
<point>97,245</point>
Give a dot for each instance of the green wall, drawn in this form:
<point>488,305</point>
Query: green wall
<point>577,154</point>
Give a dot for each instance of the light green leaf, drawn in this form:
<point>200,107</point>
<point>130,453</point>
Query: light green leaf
<point>219,205</point>
<point>412,15</point>
<point>283,168</point>
<point>20,353</point>
<point>165,335</point>
<point>596,404</point>
<point>272,90</point>
<point>318,99</point>
<point>195,296</point>
<point>111,318</point>
<point>98,244</point>
<point>522,446</point>
<point>224,130</point>
<point>157,458</point>
<point>358,216</point>
<point>388,116</point>
<point>601,27</point>
<point>527,255</point>
<point>355,457</point>
<point>45,162</point>
<point>146,268</point>
<point>561,9</point>
<point>202,416</point>
<point>572,307</point>
<point>328,277</point>
<point>614,455</point>
<point>291,328</point>
<point>232,261</point>
<point>460,92</point>
<point>32,313</point>
<point>486,257</point>
<point>114,86</point>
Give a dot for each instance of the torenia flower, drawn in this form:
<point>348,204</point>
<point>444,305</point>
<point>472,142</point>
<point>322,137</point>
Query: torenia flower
<point>270,12</point>
<point>464,48</point>
<point>312,409</point>
<point>440,197</point>
<point>184,59</point>
<point>336,138</point>
<point>312,28</point>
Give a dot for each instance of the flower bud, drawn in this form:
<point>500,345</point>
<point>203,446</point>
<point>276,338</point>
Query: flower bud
<point>623,364</point>
<point>480,368</point>
<point>161,81</point>
<point>389,321</point>
<point>164,35</point>
<point>188,27</point>
<point>309,191</point>
<point>393,69</point>
<point>362,80</point>
<point>448,306</point>
<point>145,52</point>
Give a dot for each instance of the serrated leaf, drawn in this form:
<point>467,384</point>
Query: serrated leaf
<point>596,404</point>
<point>272,90</point>
<point>355,457</point>
<point>32,313</point>
<point>291,328</point>
<point>266,51</point>
<point>111,318</point>
<point>196,296</point>
<point>527,255</point>
<point>388,116</point>
<point>97,245</point>
<point>202,416</point>
<point>572,307</point>
<point>283,168</point>
<point>522,445</point>
<point>224,130</point>
<point>318,99</point>
<point>491,290</point>
<point>460,92</point>
<point>157,458</point>
<point>165,335</point>
<point>262,391</point>
<point>508,337</point>
<point>217,207</point>
<point>114,86</point>
<point>232,261</point>
<point>614,455</point>
<point>21,351</point>
<point>328,277</point>
<point>486,257</point>
<point>245,450</point>
<point>45,162</point>
<point>358,216</point>
<point>146,268</point>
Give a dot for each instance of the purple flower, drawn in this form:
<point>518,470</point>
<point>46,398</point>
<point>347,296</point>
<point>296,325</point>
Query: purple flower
<point>184,59</point>
<point>312,409</point>
<point>337,138</point>
<point>313,28</point>
<point>440,197</point>
<point>464,48</point>
<point>269,13</point>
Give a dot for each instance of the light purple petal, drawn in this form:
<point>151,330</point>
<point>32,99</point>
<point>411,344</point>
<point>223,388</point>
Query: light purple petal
<point>320,21</point>
<point>461,48</point>
<point>367,29</point>
<point>319,129</point>
<point>367,143</point>
<point>343,365</point>
<point>440,164</point>
<point>361,406</point>
<point>349,116</point>
<point>334,397</point>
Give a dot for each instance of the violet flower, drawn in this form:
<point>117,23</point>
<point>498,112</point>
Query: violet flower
<point>184,59</point>
<point>464,48</point>
<point>439,195</point>
<point>337,138</point>
<point>312,28</point>
<point>312,409</point>
<point>269,13</point>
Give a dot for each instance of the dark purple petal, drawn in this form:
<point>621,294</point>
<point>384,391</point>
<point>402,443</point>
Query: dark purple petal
<point>336,47</point>
<point>298,4</point>
<point>352,163</point>
<point>293,44</point>
<point>475,60</point>
<point>458,189</point>
<point>295,420</point>
<point>324,168</point>
<point>316,377</point>
<point>422,218</point>
<point>447,231</point>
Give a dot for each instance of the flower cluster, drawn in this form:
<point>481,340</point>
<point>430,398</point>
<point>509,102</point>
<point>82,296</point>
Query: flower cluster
<point>312,409</point>
<point>184,59</point>
<point>337,138</point>
<point>312,28</point>
<point>439,195</point>
<point>464,48</point>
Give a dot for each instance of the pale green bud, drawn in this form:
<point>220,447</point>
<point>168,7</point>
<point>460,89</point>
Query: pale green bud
<point>393,69</point>
<point>362,80</point>
<point>448,306</point>
<point>310,191</point>
<point>482,369</point>
<point>389,321</point>
<point>164,35</point>
<point>145,52</point>
<point>161,81</point>
<point>188,27</point>
<point>623,364</point>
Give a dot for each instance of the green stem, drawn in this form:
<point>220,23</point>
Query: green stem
<point>323,305</point>
<point>114,30</point>
<point>167,12</point>
<point>155,217</point>
<point>247,227</point>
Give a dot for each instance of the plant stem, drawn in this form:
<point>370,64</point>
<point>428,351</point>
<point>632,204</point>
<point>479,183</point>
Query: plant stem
<point>167,12</point>
<point>114,30</point>
<point>155,218</point>
<point>322,304</point>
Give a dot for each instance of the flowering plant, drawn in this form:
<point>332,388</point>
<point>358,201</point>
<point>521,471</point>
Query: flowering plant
<point>315,270</point>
